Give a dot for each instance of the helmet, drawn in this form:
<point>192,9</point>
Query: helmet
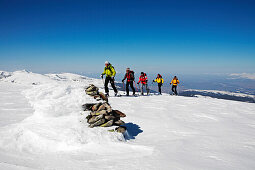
<point>142,72</point>
<point>106,62</point>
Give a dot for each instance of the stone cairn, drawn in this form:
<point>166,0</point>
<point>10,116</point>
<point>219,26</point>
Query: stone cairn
<point>102,114</point>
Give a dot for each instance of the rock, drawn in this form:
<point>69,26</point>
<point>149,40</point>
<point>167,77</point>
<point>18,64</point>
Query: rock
<point>96,113</point>
<point>119,122</point>
<point>108,107</point>
<point>88,106</point>
<point>88,117</point>
<point>121,129</point>
<point>97,123</point>
<point>102,107</point>
<point>91,88</point>
<point>97,97</point>
<point>103,97</point>
<point>118,113</point>
<point>95,106</point>
<point>109,117</point>
<point>92,93</point>
<point>107,124</point>
<point>93,119</point>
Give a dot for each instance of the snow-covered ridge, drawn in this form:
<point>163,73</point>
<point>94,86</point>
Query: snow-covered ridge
<point>219,95</point>
<point>250,76</point>
<point>4,74</point>
<point>28,78</point>
<point>58,122</point>
<point>222,93</point>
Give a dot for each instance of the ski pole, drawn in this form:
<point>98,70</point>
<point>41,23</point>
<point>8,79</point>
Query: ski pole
<point>135,86</point>
<point>123,85</point>
<point>148,89</point>
<point>140,87</point>
<point>103,80</point>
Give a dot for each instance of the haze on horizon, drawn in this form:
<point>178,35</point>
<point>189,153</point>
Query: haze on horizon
<point>153,36</point>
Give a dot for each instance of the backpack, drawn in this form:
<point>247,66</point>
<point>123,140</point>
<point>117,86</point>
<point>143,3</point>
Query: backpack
<point>143,79</point>
<point>130,76</point>
<point>132,73</point>
<point>145,76</point>
<point>109,68</point>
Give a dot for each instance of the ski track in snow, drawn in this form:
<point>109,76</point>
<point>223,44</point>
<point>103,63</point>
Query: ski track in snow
<point>164,132</point>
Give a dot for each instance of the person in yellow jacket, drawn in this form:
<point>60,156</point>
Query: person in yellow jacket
<point>110,72</point>
<point>160,82</point>
<point>175,81</point>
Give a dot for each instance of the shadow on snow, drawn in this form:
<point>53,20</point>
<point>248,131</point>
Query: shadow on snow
<point>137,87</point>
<point>132,131</point>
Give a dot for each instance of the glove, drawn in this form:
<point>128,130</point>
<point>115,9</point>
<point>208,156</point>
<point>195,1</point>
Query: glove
<point>112,78</point>
<point>123,80</point>
<point>137,83</point>
<point>101,76</point>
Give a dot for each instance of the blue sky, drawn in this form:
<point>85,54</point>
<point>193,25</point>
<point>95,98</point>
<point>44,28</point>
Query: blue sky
<point>199,36</point>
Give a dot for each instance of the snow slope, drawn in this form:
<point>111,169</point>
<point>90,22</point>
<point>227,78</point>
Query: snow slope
<point>164,132</point>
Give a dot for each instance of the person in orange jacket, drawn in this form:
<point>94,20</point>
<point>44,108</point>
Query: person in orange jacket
<point>175,81</point>
<point>160,82</point>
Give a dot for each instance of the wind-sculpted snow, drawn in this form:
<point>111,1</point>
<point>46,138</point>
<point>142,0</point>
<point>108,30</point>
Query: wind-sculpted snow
<point>57,124</point>
<point>164,132</point>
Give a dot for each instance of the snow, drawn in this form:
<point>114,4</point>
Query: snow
<point>250,76</point>
<point>13,111</point>
<point>4,74</point>
<point>46,129</point>
<point>223,93</point>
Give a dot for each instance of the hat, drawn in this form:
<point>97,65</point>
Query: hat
<point>142,72</point>
<point>106,62</point>
<point>128,69</point>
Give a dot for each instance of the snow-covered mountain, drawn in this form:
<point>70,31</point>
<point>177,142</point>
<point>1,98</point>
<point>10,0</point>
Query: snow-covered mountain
<point>4,74</point>
<point>219,94</point>
<point>42,126</point>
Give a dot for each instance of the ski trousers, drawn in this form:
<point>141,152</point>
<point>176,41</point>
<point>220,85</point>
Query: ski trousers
<point>130,83</point>
<point>107,80</point>
<point>174,89</point>
<point>159,87</point>
<point>146,87</point>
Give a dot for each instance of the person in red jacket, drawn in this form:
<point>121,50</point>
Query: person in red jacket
<point>130,79</point>
<point>143,80</point>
